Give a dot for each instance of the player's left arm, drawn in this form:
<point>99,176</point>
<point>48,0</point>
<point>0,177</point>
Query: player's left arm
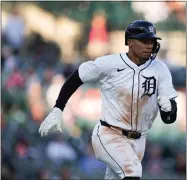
<point>168,109</point>
<point>166,96</point>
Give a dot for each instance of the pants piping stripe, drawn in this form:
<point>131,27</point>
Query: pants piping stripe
<point>107,151</point>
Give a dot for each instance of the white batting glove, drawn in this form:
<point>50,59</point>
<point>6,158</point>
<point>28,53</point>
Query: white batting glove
<point>165,103</point>
<point>54,118</point>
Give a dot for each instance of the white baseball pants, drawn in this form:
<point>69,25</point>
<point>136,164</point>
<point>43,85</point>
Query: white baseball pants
<point>122,156</point>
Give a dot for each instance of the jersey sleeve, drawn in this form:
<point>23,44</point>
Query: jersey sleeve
<point>93,70</point>
<point>165,84</point>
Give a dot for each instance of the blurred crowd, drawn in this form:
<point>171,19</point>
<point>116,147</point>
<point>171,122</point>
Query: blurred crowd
<point>32,75</point>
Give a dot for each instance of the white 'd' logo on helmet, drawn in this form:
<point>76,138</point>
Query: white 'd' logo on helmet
<point>151,29</point>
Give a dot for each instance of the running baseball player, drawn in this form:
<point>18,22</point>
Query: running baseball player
<point>134,86</point>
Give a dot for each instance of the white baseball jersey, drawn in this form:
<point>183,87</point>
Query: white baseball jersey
<point>129,92</point>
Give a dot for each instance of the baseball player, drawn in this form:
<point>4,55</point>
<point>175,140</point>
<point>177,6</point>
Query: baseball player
<point>134,86</point>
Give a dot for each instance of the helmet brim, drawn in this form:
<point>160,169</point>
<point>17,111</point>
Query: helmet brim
<point>145,36</point>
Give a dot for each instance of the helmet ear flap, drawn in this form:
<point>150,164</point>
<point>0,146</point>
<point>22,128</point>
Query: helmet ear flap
<point>156,48</point>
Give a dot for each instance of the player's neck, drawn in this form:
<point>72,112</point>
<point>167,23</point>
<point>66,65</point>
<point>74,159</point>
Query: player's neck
<point>134,58</point>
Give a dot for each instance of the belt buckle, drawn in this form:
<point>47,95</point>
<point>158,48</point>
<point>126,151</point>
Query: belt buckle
<point>133,135</point>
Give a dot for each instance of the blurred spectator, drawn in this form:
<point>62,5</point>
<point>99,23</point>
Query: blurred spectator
<point>178,72</point>
<point>15,80</point>
<point>35,101</point>
<point>54,89</point>
<point>43,53</point>
<point>98,36</point>
<point>155,159</point>
<point>43,174</point>
<point>18,115</point>
<point>66,173</point>
<point>98,30</point>
<point>177,8</point>
<point>89,164</point>
<point>32,77</point>
<point>21,148</point>
<point>59,151</point>
<point>47,76</point>
<point>9,59</point>
<point>180,165</point>
<point>15,28</point>
<point>181,114</point>
<point>8,170</point>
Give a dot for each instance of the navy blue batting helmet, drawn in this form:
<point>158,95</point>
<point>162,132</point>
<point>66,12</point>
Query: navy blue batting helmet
<point>141,29</point>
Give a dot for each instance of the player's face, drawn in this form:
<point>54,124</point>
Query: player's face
<point>143,48</point>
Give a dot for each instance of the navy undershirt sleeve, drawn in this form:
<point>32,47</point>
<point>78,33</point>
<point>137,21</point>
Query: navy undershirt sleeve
<point>69,87</point>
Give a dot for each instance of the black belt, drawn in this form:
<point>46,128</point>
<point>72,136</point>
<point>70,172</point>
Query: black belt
<point>129,134</point>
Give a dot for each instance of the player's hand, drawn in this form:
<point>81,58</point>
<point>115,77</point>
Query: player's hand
<point>164,103</point>
<point>54,118</point>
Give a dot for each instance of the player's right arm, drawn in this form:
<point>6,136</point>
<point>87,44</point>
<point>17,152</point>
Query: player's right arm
<point>87,72</point>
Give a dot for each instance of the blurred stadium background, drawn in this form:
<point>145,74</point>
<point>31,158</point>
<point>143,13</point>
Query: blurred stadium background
<point>42,43</point>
